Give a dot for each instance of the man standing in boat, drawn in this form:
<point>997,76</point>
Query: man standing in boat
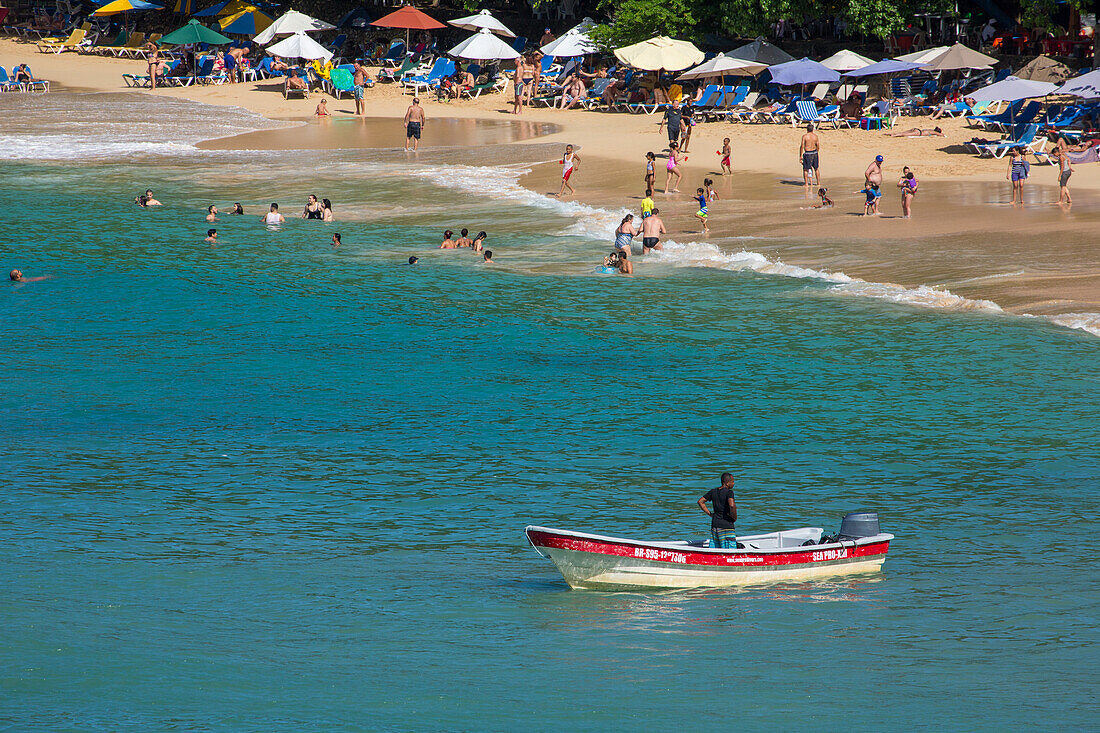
<point>724,514</point>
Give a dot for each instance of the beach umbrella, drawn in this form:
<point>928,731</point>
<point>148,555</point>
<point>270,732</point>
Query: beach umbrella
<point>184,7</point>
<point>194,32</point>
<point>410,19</point>
<point>960,57</point>
<point>225,7</point>
<point>886,66</point>
<point>484,19</point>
<point>248,22</point>
<point>723,66</point>
<point>483,46</point>
<point>922,57</point>
<point>292,22</point>
<point>124,6</point>
<point>846,61</point>
<point>660,53</point>
<point>299,46</point>
<point>761,52</point>
<point>802,71</point>
<point>572,43</point>
<point>1086,86</point>
<point>1044,68</point>
<point>1011,89</point>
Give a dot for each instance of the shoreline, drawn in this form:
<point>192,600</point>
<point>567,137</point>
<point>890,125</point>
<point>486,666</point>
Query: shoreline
<point>961,238</point>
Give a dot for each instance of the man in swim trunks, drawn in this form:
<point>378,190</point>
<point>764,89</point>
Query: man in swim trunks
<point>359,75</point>
<point>873,176</point>
<point>808,153</point>
<point>652,229</point>
<point>414,124</point>
<point>724,514</point>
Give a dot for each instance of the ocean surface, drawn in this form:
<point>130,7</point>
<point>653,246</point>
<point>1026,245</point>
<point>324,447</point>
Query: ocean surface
<point>276,485</point>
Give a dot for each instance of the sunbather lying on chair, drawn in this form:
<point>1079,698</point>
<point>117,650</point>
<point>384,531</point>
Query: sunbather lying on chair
<point>294,82</point>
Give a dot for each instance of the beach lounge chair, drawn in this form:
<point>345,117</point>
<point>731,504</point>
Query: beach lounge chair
<point>743,109</point>
<point>341,81</point>
<point>1024,137</point>
<point>205,73</point>
<point>394,56</point>
<point>72,43</point>
<point>100,48</point>
<point>397,73</point>
<point>288,92</point>
<point>1004,115</point>
<point>441,68</point>
<point>135,41</point>
<point>6,84</point>
<point>594,97</point>
<point>1028,114</point>
<point>519,43</point>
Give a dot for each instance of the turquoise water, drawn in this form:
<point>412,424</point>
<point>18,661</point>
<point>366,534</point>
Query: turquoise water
<point>276,485</point>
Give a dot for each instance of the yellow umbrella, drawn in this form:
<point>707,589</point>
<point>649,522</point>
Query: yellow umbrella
<point>248,22</point>
<point>124,6</point>
<point>660,53</point>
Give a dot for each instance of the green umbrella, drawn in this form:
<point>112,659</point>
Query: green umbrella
<point>194,32</point>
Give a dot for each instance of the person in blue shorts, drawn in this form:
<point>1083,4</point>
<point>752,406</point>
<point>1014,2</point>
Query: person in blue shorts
<point>701,214</point>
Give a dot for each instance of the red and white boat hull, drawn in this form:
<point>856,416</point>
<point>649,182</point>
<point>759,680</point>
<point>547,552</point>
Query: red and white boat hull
<point>595,562</point>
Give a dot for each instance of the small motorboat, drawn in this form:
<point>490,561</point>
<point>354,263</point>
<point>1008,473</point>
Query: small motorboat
<point>596,562</point>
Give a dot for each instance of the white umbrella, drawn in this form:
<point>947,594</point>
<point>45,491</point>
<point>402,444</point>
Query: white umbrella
<point>846,61</point>
<point>1012,88</point>
<point>484,19</point>
<point>723,65</point>
<point>659,53</point>
<point>923,57</point>
<point>483,46</point>
<point>573,43</point>
<point>291,22</point>
<point>299,46</point>
<point>1086,86</point>
<point>959,57</point>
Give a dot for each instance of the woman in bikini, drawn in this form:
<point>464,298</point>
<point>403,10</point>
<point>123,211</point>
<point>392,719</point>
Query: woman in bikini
<point>673,167</point>
<point>917,132</point>
<point>326,211</point>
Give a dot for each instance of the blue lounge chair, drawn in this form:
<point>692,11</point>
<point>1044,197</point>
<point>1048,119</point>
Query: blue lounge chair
<point>519,44</point>
<point>441,68</point>
<point>1026,115</point>
<point>1004,115</point>
<point>394,56</point>
<point>1023,137</point>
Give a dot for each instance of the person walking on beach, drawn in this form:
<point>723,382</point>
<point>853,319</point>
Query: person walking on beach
<point>1065,170</point>
<point>908,185</point>
<point>1018,169</point>
<point>723,516</point>
<point>650,172</point>
<point>568,165</point>
<point>652,229</point>
<point>273,217</point>
<point>152,59</point>
<point>673,119</point>
<point>701,214</point>
<point>672,167</point>
<point>725,152</point>
<point>808,151</point>
<point>414,124</point>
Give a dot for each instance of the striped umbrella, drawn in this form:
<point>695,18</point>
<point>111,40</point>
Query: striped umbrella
<point>185,7</point>
<point>248,22</point>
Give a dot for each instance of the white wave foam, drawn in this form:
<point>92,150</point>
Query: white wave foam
<point>1089,322</point>
<point>67,147</point>
<point>502,183</point>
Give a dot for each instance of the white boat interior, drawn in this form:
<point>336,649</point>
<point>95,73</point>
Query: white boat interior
<point>785,539</point>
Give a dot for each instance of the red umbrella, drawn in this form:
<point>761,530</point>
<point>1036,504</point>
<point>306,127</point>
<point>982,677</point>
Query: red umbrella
<point>408,18</point>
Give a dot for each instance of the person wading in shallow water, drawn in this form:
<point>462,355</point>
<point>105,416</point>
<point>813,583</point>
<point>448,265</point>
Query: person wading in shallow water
<point>724,514</point>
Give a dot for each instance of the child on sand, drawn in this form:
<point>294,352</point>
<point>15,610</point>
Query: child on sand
<point>322,109</point>
<point>650,173</point>
<point>725,152</point>
<point>701,214</point>
<point>673,166</point>
<point>568,165</point>
<point>712,195</point>
<point>870,207</point>
<point>826,202</point>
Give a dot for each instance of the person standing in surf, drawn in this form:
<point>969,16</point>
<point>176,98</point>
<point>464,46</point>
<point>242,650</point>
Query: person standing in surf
<point>414,124</point>
<point>568,165</point>
<point>808,151</point>
<point>724,514</point>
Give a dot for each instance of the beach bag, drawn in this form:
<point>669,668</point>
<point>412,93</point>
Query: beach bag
<point>1027,169</point>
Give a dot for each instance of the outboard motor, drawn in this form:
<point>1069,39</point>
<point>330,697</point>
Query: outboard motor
<point>859,524</point>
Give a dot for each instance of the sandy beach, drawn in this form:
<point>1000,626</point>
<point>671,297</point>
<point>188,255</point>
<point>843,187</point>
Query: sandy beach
<point>964,236</point>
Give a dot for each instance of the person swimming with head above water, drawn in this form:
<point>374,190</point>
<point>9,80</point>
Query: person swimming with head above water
<point>273,217</point>
<point>448,243</point>
<point>464,240</point>
<point>211,236</point>
<point>16,276</point>
<point>238,210</point>
<point>312,209</point>
<point>479,241</point>
<point>336,241</point>
<point>211,213</point>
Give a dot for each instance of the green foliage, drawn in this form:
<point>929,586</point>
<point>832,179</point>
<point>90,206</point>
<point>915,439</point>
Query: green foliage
<point>1039,14</point>
<point>879,18</point>
<point>750,18</point>
<point>636,20</point>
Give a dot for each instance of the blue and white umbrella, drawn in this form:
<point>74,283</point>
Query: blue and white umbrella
<point>886,66</point>
<point>1011,89</point>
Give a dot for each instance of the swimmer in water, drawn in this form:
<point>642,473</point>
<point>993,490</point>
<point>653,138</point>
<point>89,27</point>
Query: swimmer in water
<point>414,260</point>
<point>16,276</point>
<point>326,211</point>
<point>238,210</point>
<point>479,241</point>
<point>464,240</point>
<point>448,243</point>
<point>487,259</point>
<point>211,236</point>
<point>211,213</point>
<point>273,217</point>
<point>336,241</point>
<point>149,200</point>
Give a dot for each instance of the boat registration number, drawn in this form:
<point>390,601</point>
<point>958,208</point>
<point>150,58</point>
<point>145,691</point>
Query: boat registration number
<point>663,555</point>
<point>830,555</point>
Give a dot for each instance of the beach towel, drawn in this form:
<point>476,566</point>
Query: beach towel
<point>1091,155</point>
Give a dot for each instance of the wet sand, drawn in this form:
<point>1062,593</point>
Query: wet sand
<point>964,236</point>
